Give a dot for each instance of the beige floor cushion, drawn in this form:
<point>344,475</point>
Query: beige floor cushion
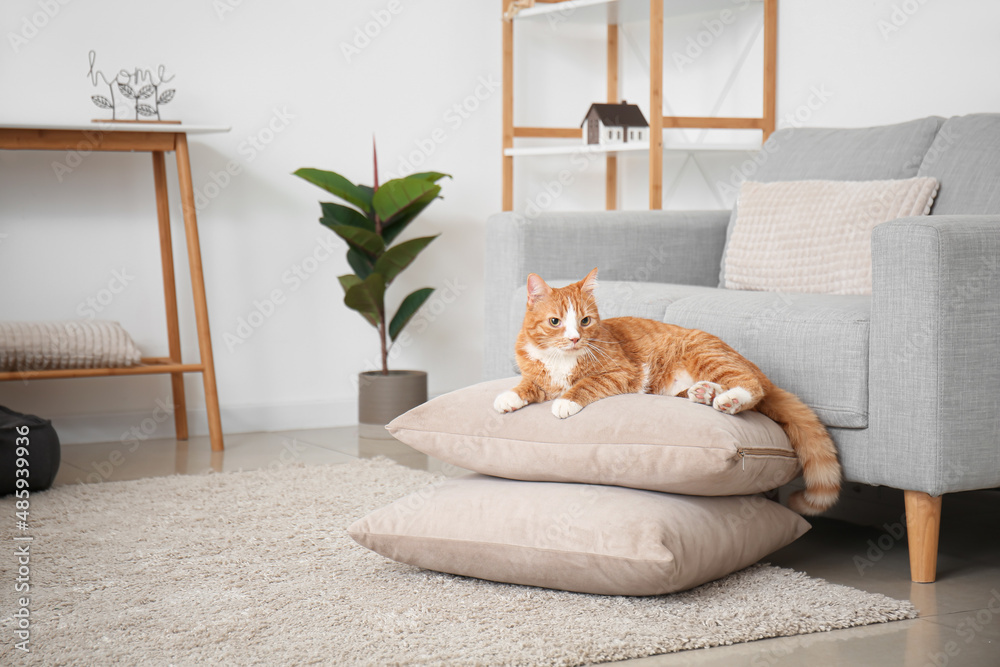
<point>577,537</point>
<point>640,441</point>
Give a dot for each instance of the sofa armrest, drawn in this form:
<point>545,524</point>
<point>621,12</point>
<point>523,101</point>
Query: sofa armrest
<point>935,354</point>
<point>649,246</point>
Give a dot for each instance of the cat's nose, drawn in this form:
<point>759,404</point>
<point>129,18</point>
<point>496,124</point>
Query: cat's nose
<point>574,340</point>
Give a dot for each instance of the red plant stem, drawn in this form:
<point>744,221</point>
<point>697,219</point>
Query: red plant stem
<point>375,161</point>
<point>385,350</point>
<point>378,230</point>
<point>378,222</point>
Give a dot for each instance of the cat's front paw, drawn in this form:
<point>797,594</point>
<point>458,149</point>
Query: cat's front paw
<point>508,402</point>
<point>563,408</point>
<point>732,401</point>
<point>704,392</point>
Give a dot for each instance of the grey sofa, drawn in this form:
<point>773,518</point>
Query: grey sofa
<point>906,379</point>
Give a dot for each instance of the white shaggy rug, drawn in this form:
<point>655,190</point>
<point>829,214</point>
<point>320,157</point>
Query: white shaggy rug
<point>256,568</point>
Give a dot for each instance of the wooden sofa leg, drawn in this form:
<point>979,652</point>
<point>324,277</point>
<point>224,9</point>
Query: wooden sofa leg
<point>923,524</point>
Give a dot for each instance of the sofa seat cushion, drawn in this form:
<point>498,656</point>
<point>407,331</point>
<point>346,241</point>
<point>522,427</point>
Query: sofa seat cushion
<point>813,345</point>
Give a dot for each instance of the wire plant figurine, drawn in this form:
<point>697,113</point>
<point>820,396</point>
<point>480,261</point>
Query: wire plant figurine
<point>132,89</point>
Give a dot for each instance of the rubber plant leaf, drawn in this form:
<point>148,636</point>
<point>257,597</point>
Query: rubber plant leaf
<point>360,262</point>
<point>337,185</point>
<point>396,195</point>
<point>367,242</point>
<point>394,227</point>
<point>368,192</point>
<point>411,304</point>
<point>432,176</point>
<point>344,215</point>
<point>398,257</point>
<point>367,297</point>
<point>347,281</point>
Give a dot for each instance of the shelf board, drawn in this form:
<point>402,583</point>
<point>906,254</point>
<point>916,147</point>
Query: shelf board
<point>576,147</point>
<point>112,126</point>
<point>630,148</point>
<point>149,366</point>
<point>619,11</point>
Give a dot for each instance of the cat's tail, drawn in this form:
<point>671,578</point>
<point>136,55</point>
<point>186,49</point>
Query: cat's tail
<point>814,447</point>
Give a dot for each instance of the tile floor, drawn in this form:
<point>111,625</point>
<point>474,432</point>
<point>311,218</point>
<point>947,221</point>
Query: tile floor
<point>960,614</point>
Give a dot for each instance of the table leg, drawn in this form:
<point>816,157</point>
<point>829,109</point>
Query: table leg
<point>170,293</point>
<point>198,287</point>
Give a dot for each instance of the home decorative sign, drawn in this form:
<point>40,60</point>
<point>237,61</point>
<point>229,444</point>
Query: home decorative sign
<point>138,92</point>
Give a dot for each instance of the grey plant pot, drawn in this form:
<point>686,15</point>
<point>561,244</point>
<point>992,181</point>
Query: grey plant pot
<point>382,398</point>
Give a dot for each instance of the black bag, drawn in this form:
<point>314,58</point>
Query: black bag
<point>43,453</point>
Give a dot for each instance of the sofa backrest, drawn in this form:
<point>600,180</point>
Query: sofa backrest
<point>965,158</point>
<point>849,154</point>
<point>841,154</point>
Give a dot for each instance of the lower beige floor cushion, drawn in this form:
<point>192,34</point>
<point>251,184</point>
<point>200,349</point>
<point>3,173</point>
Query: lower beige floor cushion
<point>659,443</point>
<point>577,537</point>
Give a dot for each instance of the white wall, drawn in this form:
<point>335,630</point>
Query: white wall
<point>428,86</point>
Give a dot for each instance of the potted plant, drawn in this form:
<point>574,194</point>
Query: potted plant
<point>369,221</point>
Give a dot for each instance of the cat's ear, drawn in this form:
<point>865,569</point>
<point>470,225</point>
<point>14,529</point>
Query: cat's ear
<point>589,284</point>
<point>537,289</point>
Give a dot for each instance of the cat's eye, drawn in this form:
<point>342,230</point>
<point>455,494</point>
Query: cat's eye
<point>585,321</point>
<point>554,321</point>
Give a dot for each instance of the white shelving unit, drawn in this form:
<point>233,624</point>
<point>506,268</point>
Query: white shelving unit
<point>637,147</point>
<point>612,13</point>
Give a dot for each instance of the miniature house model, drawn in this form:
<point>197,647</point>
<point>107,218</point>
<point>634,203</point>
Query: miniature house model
<point>614,124</point>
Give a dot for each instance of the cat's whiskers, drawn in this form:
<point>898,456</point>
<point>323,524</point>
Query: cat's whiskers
<point>591,349</point>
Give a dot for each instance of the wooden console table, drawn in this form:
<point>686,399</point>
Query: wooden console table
<point>157,139</point>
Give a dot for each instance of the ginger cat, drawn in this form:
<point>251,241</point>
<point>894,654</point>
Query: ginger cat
<point>568,353</point>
